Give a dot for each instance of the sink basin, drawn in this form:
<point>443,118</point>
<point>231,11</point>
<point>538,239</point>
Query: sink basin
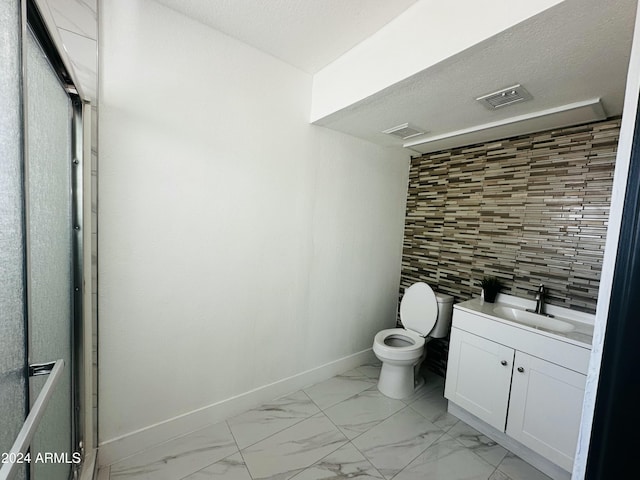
<point>534,320</point>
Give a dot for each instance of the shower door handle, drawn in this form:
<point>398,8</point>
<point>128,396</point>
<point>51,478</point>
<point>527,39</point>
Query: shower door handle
<point>36,369</point>
<point>28,430</point>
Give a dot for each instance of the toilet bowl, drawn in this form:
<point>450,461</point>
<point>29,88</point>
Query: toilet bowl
<point>424,315</point>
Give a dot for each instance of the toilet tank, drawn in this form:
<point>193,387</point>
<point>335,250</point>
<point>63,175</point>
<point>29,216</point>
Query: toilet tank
<point>445,313</point>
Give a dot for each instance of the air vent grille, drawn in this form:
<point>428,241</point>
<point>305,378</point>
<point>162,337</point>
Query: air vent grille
<point>404,131</point>
<point>506,96</point>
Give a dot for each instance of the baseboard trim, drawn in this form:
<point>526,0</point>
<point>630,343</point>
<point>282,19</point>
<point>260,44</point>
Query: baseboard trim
<point>117,449</point>
<point>528,455</point>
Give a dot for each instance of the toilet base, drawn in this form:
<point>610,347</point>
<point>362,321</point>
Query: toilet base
<point>398,381</point>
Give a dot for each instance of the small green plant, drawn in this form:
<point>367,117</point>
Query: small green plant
<point>491,286</point>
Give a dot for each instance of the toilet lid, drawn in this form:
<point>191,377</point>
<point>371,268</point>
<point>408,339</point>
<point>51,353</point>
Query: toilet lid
<point>419,308</point>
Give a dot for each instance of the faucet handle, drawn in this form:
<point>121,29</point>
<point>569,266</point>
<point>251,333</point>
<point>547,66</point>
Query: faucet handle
<point>541,288</point>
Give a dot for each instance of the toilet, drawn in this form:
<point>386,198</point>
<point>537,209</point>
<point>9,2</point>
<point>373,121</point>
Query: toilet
<point>424,315</point>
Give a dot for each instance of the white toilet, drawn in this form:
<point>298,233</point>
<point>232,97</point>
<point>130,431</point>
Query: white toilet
<point>424,315</point>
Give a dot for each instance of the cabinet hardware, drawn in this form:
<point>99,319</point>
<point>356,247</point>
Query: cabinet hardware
<point>503,363</point>
<point>520,369</point>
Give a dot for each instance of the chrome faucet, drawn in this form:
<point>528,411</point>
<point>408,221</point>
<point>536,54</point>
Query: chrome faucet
<point>539,301</point>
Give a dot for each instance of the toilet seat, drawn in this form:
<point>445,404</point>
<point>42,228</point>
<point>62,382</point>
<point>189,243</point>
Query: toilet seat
<point>408,352</point>
<point>419,309</point>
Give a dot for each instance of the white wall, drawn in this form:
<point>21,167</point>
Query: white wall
<point>239,245</point>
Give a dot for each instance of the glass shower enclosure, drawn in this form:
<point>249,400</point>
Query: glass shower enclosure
<point>40,252</point>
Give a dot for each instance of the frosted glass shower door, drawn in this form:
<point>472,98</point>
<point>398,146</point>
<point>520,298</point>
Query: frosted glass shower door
<point>49,256</point>
<point>12,345</point>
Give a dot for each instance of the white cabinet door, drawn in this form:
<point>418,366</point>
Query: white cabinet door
<point>479,376</point>
<point>545,408</point>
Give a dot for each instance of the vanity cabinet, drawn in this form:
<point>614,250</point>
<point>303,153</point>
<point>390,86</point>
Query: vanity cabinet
<point>479,376</point>
<point>527,386</point>
<point>545,408</point>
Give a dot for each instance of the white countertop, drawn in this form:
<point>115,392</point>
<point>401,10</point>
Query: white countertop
<point>582,335</point>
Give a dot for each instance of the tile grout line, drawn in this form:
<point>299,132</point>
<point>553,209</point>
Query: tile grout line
<point>172,439</point>
<point>337,403</point>
<point>246,466</point>
<point>421,453</point>
<point>443,432</point>
<point>348,442</point>
<point>282,430</point>
<point>321,412</point>
<point>309,466</point>
<point>497,467</point>
<point>203,468</point>
<point>274,433</point>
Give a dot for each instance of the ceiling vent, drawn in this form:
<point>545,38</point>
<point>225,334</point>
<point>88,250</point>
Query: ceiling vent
<point>404,131</point>
<point>506,96</point>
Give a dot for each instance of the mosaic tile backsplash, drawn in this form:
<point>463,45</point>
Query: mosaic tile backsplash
<point>531,209</point>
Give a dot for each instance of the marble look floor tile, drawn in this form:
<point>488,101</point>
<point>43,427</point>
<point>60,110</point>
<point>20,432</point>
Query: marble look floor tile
<point>370,371</point>
<point>447,460</point>
<point>179,457</point>
<point>290,451</point>
<point>230,468</point>
<point>432,382</point>
<point>290,437</point>
<point>257,424</point>
<point>517,469</point>
<point>433,406</point>
<point>395,442</point>
<point>361,412</point>
<point>339,388</point>
<point>478,443</point>
<point>498,475</point>
<point>419,392</point>
<point>346,462</point>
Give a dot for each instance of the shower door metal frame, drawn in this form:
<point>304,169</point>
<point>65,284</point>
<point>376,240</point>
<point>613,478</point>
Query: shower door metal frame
<point>32,19</point>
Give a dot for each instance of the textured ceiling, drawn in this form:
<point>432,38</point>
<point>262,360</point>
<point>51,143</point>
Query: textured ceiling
<point>573,52</point>
<point>308,34</point>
